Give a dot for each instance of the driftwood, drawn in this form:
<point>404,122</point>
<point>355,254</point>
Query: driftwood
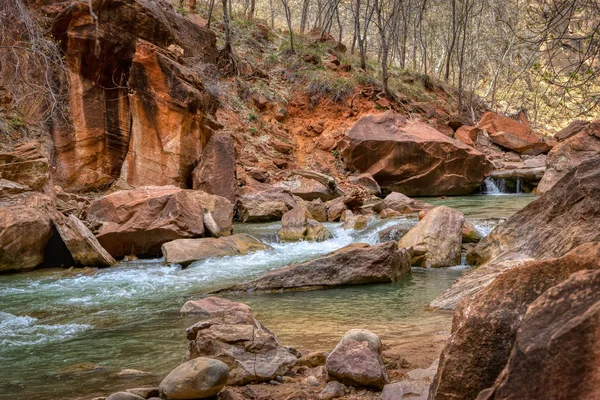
<point>328,181</point>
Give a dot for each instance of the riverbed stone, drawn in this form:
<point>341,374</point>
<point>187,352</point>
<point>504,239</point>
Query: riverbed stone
<point>297,224</point>
<point>186,251</point>
<point>356,222</point>
<point>395,232</point>
<point>401,204</point>
<point>251,351</point>
<point>333,390</point>
<point>356,360</point>
<point>357,263</point>
<point>124,396</point>
<point>195,379</point>
<point>436,240</point>
<point>263,203</point>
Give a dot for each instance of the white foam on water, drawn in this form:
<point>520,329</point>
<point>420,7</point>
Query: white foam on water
<point>27,331</point>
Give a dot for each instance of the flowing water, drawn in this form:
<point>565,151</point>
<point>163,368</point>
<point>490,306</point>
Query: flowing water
<point>65,334</point>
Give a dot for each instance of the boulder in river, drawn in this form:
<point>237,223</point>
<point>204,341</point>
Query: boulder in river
<point>568,154</point>
<point>557,349</point>
<point>563,218</point>
<point>199,378</point>
<point>140,220</point>
<point>25,228</point>
<point>186,251</point>
<point>436,240</point>
<point>82,244</point>
<point>366,181</point>
<point>297,224</point>
<point>357,263</point>
<point>251,351</point>
<point>395,232</point>
<point>486,322</point>
<point>401,203</point>
<point>356,360</point>
<point>263,203</point>
<point>356,222</point>
<point>412,157</point>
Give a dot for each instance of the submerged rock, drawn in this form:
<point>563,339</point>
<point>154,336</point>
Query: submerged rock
<point>357,263</point>
<point>436,240</point>
<point>412,157</point>
<point>485,323</point>
<point>82,244</point>
<point>211,307</point>
<point>139,221</point>
<point>124,396</point>
<point>556,352</point>
<point>356,360</point>
<point>199,378</point>
<point>186,251</point>
<point>251,351</point>
<point>297,224</point>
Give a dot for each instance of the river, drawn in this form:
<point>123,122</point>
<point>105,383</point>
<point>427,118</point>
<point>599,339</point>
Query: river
<point>65,334</point>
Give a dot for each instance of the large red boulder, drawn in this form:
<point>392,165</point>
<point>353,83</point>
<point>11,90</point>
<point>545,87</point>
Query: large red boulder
<point>557,349</point>
<point>512,135</point>
<point>411,157</point>
<point>131,98</point>
<point>139,221</point>
<point>216,172</point>
<point>485,324</point>
<point>569,153</point>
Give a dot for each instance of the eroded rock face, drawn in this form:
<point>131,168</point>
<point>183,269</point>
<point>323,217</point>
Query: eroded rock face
<point>25,229</point>
<point>27,165</point>
<point>82,244</point>
<point>139,221</point>
<point>512,135</point>
<point>356,360</point>
<point>216,172</point>
<point>195,379</point>
<point>137,111</point>
<point>186,251</point>
<point>557,349</point>
<point>485,323</point>
<point>563,218</point>
<point>412,157</point>
<point>354,264</point>
<point>436,240</point>
<point>251,351</point>
<point>574,150</point>
<point>368,182</point>
<point>297,224</point>
<point>263,203</point>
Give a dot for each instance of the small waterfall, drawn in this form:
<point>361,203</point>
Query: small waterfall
<point>490,186</point>
<point>518,185</point>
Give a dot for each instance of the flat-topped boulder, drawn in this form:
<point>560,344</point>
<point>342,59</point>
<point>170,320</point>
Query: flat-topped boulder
<point>141,220</point>
<point>486,322</point>
<point>357,263</point>
<point>412,157</point>
<point>564,217</point>
<point>436,240</point>
<point>186,251</point>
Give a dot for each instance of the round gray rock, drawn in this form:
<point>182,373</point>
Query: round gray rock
<point>124,396</point>
<point>196,379</point>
